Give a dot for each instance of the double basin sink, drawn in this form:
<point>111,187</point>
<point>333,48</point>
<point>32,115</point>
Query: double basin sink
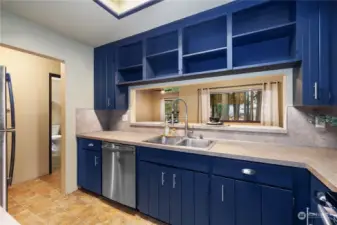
<point>182,141</point>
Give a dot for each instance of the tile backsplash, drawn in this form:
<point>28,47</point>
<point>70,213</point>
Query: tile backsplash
<point>300,131</point>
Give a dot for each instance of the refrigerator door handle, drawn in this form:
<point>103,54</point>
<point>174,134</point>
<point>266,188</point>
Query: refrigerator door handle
<point>11,129</point>
<point>11,99</point>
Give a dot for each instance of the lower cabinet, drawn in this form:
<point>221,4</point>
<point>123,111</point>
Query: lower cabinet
<point>236,202</point>
<point>90,170</point>
<point>174,196</point>
<point>222,201</point>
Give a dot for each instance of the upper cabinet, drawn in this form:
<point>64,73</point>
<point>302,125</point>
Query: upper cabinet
<point>161,58</point>
<point>315,84</point>
<point>205,46</point>
<point>264,34</point>
<point>239,35</point>
<point>104,77</point>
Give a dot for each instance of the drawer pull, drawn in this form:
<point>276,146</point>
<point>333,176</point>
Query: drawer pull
<point>249,172</point>
<point>91,145</point>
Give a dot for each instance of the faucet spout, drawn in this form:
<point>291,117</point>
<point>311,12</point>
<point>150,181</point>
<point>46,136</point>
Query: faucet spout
<point>174,105</point>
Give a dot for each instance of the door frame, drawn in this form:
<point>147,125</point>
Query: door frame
<point>51,75</point>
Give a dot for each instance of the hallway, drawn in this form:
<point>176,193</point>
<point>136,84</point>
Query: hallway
<point>40,202</point>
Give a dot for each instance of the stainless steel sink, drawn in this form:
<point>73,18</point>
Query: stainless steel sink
<point>182,141</point>
<point>164,140</point>
<point>196,143</point>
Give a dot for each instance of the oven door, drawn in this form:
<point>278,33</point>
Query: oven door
<point>326,212</point>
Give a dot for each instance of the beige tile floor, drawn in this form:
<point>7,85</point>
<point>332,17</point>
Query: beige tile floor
<point>40,202</point>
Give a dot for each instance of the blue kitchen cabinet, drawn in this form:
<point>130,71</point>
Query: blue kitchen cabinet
<point>143,186</point>
<point>168,194</point>
<point>154,182</point>
<point>277,206</point>
<point>201,195</point>
<point>164,194</point>
<point>222,201</point>
<point>90,170</point>
<point>315,38</point>
<point>248,203</point>
<point>238,202</point>
<point>104,77</point>
<point>333,50</point>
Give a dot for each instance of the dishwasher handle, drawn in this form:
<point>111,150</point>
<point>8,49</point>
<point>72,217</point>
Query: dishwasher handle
<point>121,151</point>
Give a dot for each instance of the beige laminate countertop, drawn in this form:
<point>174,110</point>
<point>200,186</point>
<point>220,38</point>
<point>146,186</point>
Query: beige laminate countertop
<point>322,162</point>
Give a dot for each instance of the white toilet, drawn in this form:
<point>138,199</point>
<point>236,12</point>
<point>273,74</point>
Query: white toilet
<point>55,140</point>
<point>55,133</point>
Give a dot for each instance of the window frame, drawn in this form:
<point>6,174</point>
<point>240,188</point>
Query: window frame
<point>236,89</point>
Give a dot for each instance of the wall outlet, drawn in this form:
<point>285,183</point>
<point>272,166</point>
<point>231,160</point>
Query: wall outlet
<point>125,117</point>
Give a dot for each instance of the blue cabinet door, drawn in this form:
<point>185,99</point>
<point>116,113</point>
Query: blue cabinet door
<point>222,201</point>
<point>313,36</point>
<point>164,194</point>
<point>188,201</point>
<point>201,198</point>
<point>277,206</point>
<point>175,184</point>
<point>110,77</point>
<point>247,203</point>
<point>100,71</point>
<point>154,179</point>
<point>333,50</point>
<point>93,171</point>
<point>104,77</point>
<point>81,167</point>
<point>181,184</point>
<point>143,187</point>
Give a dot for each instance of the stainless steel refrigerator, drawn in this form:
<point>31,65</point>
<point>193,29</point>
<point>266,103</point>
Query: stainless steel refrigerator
<point>7,135</point>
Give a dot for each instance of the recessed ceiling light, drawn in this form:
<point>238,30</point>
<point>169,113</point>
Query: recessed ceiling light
<point>123,8</point>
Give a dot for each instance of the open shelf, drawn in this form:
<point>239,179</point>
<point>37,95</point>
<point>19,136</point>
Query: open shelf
<point>264,34</point>
<point>207,61</point>
<point>162,65</point>
<point>130,73</point>
<point>204,36</point>
<point>163,53</point>
<point>264,16</point>
<point>212,51</point>
<point>268,51</point>
<point>132,67</point>
<point>162,43</point>
<point>130,55</point>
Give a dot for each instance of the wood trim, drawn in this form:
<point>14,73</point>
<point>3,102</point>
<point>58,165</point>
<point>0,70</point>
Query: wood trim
<point>51,75</point>
<point>31,52</point>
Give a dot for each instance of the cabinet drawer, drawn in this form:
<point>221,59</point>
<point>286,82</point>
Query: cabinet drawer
<point>280,176</point>
<point>90,144</point>
<point>176,159</point>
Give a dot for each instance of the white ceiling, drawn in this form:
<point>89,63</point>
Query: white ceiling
<point>85,21</point>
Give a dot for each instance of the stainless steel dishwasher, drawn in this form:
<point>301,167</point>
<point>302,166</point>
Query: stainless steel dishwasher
<point>119,173</point>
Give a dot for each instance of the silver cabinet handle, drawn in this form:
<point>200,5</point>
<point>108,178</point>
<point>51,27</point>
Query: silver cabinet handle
<point>315,90</point>
<point>108,101</point>
<point>248,172</point>
<point>162,178</point>
<point>222,193</point>
<point>174,181</point>
<point>91,145</point>
<point>96,163</point>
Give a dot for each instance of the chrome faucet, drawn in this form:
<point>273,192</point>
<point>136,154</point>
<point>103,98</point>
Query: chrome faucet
<point>174,105</point>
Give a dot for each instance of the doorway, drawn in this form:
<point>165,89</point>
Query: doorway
<point>54,123</point>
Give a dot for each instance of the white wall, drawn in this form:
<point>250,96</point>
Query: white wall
<point>78,59</point>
